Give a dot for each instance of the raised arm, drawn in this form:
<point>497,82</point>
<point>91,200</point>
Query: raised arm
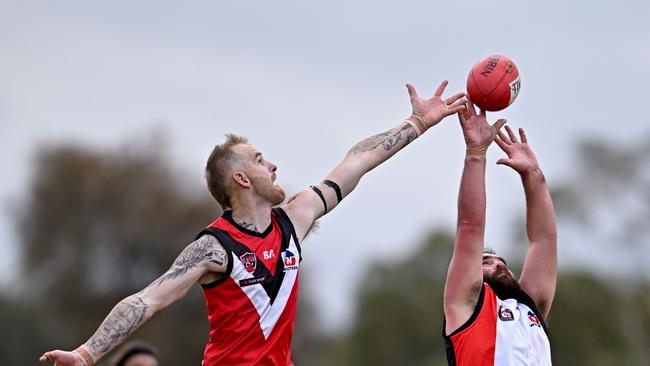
<point>199,262</point>
<point>308,205</point>
<point>539,275</point>
<point>465,276</point>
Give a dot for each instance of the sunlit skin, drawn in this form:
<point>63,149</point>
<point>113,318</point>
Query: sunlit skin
<point>141,360</point>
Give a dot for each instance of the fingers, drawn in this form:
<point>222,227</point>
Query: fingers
<point>502,144</point>
<point>48,356</point>
<point>498,124</point>
<point>461,116</point>
<point>522,134</point>
<point>504,138</point>
<point>457,109</point>
<point>441,89</point>
<point>512,135</point>
<point>454,98</point>
<point>459,105</point>
<point>504,161</point>
<point>412,93</point>
<point>470,108</point>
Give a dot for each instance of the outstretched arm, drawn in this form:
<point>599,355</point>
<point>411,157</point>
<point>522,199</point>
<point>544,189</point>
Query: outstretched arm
<point>310,204</point>
<point>199,260</point>
<point>539,275</point>
<point>465,277</point>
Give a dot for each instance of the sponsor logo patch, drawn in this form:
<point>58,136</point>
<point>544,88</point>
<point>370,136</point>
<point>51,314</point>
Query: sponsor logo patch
<point>505,314</point>
<point>290,261</point>
<point>534,320</point>
<point>249,260</point>
<point>251,281</point>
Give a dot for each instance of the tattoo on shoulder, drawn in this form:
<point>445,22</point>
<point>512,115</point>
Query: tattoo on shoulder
<point>207,248</point>
<point>388,140</point>
<point>125,318</point>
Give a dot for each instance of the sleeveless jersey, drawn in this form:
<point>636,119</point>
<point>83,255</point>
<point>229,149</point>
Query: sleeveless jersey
<point>500,332</point>
<point>252,308</point>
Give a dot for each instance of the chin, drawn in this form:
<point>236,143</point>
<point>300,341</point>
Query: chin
<point>278,195</point>
<point>503,284</point>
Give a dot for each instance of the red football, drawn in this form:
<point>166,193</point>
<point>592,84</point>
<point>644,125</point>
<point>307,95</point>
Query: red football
<point>493,84</point>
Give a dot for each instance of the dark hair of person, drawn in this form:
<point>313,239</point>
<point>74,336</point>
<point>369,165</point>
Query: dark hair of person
<point>133,349</point>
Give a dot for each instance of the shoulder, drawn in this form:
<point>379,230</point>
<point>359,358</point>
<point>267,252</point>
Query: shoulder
<point>208,250</point>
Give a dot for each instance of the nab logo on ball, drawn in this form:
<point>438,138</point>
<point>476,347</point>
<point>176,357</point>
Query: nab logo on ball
<point>249,260</point>
<point>290,261</point>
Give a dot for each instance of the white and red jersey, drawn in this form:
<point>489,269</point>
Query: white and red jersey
<point>252,308</point>
<point>500,332</point>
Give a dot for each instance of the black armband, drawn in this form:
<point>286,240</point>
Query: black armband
<point>320,194</point>
<point>335,187</point>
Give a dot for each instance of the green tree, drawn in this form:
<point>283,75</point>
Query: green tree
<point>98,226</point>
<point>398,318</point>
<point>604,209</point>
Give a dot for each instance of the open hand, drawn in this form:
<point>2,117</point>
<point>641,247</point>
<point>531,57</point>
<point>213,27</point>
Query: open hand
<point>478,133</point>
<point>62,358</point>
<point>428,112</point>
<point>520,156</point>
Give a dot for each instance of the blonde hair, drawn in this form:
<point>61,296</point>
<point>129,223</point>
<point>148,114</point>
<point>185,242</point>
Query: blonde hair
<point>218,168</point>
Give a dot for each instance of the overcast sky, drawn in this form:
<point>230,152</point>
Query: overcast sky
<point>305,81</point>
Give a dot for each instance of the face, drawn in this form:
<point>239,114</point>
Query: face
<point>260,174</point>
<point>495,270</point>
<point>141,360</point>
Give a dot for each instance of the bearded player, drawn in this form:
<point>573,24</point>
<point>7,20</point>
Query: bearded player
<point>490,317</point>
<point>247,261</point>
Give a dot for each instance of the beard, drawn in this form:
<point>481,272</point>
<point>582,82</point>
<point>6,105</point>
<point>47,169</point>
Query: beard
<point>272,193</point>
<point>503,284</point>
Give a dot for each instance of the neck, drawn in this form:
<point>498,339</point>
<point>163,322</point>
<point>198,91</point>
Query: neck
<point>253,217</point>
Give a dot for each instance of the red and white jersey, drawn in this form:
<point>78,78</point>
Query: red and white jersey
<point>253,307</point>
<point>500,332</point>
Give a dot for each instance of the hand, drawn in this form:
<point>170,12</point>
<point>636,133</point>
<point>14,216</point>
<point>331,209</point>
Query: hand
<point>477,131</point>
<point>62,358</point>
<point>520,156</point>
<point>428,112</point>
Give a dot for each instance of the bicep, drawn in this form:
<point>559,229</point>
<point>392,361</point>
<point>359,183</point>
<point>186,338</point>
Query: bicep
<point>464,278</point>
<point>203,256</point>
<point>539,274</point>
<point>464,281</point>
<point>303,209</point>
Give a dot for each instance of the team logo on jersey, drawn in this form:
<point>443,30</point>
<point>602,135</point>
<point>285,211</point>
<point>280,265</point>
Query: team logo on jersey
<point>534,320</point>
<point>249,260</point>
<point>505,314</point>
<point>290,261</point>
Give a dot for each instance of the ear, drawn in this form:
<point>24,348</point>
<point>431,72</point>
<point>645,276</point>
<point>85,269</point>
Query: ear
<point>241,178</point>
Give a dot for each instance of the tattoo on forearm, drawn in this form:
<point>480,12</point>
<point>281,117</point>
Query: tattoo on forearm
<point>388,140</point>
<point>125,318</point>
<point>207,248</point>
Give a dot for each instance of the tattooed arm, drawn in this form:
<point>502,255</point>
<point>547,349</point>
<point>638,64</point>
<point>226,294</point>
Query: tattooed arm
<point>202,261</point>
<point>308,205</point>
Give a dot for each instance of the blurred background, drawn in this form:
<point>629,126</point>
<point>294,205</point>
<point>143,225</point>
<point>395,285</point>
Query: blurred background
<point>108,112</point>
